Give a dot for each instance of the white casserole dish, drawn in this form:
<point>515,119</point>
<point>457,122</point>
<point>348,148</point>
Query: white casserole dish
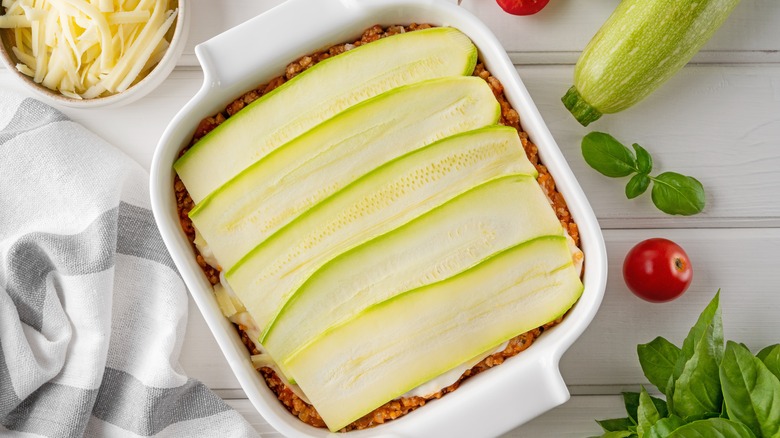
<point>250,54</point>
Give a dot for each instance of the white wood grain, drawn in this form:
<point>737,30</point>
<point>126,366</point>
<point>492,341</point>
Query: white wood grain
<point>564,27</point>
<point>134,128</point>
<point>555,35</point>
<point>720,124</point>
<point>211,18</point>
<point>743,263</point>
<point>574,419</point>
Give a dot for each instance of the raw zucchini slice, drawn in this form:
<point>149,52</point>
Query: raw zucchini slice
<point>445,241</point>
<point>318,94</point>
<point>383,200</point>
<point>269,194</point>
<point>398,344</point>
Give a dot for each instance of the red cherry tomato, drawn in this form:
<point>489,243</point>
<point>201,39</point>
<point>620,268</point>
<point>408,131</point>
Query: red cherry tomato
<point>657,270</point>
<point>522,7</point>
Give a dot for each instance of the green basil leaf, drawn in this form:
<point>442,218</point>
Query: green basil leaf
<point>631,401</point>
<point>767,351</point>
<point>771,358</point>
<point>664,427</point>
<point>644,162</point>
<point>607,155</point>
<point>694,388</point>
<point>618,434</point>
<point>647,414</point>
<point>615,424</point>
<point>712,428</point>
<point>751,391</point>
<point>697,392</point>
<point>657,359</point>
<point>637,185</point>
<point>711,315</point>
<point>678,194</point>
<point>670,389</point>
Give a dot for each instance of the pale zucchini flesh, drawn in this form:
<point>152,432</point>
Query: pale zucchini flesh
<point>382,200</point>
<point>403,342</point>
<point>269,194</point>
<point>444,242</point>
<point>640,46</point>
<point>318,94</point>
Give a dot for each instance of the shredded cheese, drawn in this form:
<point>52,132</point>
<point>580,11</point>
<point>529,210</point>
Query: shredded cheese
<point>14,21</point>
<point>88,48</point>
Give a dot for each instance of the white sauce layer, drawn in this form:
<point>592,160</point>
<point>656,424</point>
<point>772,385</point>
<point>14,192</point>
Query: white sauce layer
<point>205,252</point>
<point>444,380</point>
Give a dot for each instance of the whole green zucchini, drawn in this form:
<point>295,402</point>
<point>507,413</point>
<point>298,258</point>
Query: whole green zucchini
<point>640,46</point>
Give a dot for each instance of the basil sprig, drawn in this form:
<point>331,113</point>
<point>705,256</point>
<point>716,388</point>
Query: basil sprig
<point>672,192</point>
<point>712,388</point>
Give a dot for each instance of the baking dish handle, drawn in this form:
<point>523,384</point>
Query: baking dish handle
<point>538,387</point>
<point>224,57</point>
<point>511,394</point>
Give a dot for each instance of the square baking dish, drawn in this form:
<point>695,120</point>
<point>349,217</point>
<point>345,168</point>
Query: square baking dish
<point>250,54</point>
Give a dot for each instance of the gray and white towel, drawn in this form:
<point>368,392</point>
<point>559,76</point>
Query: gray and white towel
<point>92,309</point>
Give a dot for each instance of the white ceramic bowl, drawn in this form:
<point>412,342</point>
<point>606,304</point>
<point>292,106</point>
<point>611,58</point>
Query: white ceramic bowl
<point>486,405</point>
<point>151,81</point>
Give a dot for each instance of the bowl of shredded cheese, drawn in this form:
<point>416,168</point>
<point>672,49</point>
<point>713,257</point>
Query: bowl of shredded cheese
<point>92,53</point>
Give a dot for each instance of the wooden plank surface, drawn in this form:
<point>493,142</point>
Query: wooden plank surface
<point>134,128</point>
<point>556,35</point>
<point>720,124</point>
<point>562,29</point>
<point>740,262</point>
<point>717,120</point>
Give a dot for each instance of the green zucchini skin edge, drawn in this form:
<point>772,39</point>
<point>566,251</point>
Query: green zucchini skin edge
<point>580,109</point>
<point>640,46</point>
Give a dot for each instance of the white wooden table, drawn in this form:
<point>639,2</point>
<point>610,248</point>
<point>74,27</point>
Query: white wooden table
<point>717,120</point>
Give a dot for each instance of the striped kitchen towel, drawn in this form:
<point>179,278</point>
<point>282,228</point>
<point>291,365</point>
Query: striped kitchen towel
<point>92,309</point>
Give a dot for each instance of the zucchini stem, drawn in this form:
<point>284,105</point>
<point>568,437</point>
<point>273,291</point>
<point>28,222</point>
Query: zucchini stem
<point>579,108</point>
